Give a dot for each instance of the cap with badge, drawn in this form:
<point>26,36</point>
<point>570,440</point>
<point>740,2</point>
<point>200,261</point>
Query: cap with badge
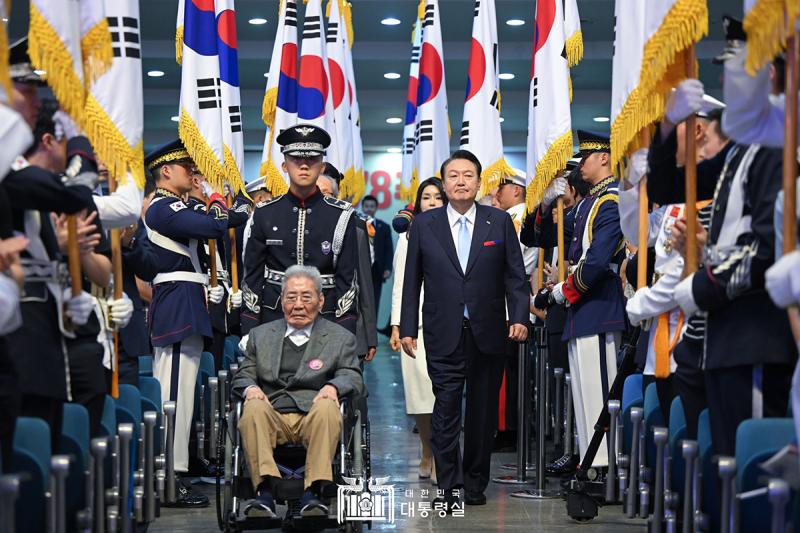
<point>304,140</point>
<point>20,67</point>
<point>172,152</point>
<point>519,178</point>
<point>257,184</point>
<point>590,142</point>
<point>735,38</point>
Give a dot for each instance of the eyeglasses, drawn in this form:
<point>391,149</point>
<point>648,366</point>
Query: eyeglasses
<point>292,298</point>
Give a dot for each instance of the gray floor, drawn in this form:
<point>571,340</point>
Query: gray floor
<point>395,453</point>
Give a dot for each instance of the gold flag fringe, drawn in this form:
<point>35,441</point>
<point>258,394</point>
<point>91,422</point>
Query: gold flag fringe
<point>347,13</point>
<point>233,176</point>
<point>574,46</point>
<point>491,175</point>
<point>548,167</point>
<point>112,148</point>
<point>48,53</point>
<point>409,194</point>
<point>5,76</point>
<point>348,188</point>
<point>269,105</point>
<point>273,179</point>
<point>203,156</point>
<point>768,24</point>
<point>662,68</point>
<point>421,9</point>
<point>97,52</point>
<point>179,45</point>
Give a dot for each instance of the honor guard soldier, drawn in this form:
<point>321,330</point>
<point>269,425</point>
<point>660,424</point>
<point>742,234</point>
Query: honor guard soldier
<point>178,317</point>
<point>301,227</point>
<point>593,290</point>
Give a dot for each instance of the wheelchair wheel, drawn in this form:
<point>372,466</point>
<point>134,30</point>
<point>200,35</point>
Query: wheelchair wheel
<point>225,481</point>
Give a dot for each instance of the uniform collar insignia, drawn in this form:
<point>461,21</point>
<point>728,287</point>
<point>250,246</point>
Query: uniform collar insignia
<point>601,186</point>
<point>168,194</point>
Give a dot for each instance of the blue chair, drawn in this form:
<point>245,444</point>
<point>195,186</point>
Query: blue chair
<point>108,424</point>
<point>74,441</point>
<point>677,432</point>
<point>756,441</point>
<point>150,389</point>
<point>631,397</point>
<point>207,366</point>
<point>228,354</point>
<point>31,455</point>
<point>653,417</point>
<point>145,365</point>
<point>129,410</point>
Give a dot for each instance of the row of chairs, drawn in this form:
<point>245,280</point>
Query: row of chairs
<point>658,474</point>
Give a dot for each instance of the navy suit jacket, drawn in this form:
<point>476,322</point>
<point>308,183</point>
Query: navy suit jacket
<point>495,274</point>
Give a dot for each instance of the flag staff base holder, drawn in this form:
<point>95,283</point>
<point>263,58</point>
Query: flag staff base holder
<point>540,408</point>
<point>522,467</point>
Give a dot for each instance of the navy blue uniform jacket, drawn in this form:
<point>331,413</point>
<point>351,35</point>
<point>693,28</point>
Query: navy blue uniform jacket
<point>495,274</point>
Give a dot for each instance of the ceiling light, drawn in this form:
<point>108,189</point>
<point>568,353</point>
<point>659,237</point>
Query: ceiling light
<point>40,72</point>
<point>506,76</point>
<point>394,150</point>
<point>390,21</point>
<point>258,21</point>
<point>600,119</point>
<point>266,74</point>
<point>515,22</point>
<point>155,73</point>
<point>392,76</point>
<point>394,120</point>
<point>502,120</point>
<point>5,19</point>
<point>176,118</point>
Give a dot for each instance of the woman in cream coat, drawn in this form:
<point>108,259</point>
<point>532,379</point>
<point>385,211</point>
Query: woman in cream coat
<point>416,383</point>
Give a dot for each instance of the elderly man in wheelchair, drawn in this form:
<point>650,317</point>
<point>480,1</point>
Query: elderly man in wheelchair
<point>294,373</point>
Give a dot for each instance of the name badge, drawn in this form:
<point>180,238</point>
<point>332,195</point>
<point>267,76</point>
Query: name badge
<point>274,242</point>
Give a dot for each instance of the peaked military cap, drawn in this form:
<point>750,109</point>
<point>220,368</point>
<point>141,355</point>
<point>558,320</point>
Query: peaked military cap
<point>20,67</point>
<point>304,140</point>
<point>519,178</point>
<point>590,142</point>
<point>172,152</point>
<point>256,185</point>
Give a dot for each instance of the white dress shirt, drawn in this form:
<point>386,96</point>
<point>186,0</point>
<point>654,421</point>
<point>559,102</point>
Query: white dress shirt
<point>298,336</point>
<point>454,216</point>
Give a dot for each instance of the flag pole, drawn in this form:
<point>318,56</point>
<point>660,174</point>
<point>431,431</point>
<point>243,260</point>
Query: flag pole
<point>790,162</point>
<point>234,256</point>
<point>116,264</point>
<point>691,176</point>
<point>212,255</point>
<point>641,257</point>
<point>560,229</point>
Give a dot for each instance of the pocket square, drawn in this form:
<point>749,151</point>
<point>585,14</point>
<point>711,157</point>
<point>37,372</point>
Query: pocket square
<point>491,243</point>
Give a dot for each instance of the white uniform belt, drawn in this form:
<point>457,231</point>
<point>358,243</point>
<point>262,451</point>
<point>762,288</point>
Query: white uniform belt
<point>222,275</point>
<point>613,267</point>
<point>275,277</point>
<point>194,277</point>
<point>41,271</point>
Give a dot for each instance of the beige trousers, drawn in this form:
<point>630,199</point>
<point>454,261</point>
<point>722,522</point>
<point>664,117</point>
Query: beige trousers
<point>262,428</point>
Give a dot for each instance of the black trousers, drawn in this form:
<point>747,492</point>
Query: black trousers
<point>664,389</point>
<point>377,285</point>
<point>508,400</point>
<point>89,379</point>
<point>730,399</point>
<point>9,410</point>
<point>216,345</point>
<point>51,410</point>
<point>690,384</point>
<point>482,374</point>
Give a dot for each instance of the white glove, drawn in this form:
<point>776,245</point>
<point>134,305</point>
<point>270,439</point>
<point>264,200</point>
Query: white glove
<point>235,299</point>
<point>215,294</point>
<point>78,308</point>
<point>556,188</point>
<point>557,294</point>
<point>243,343</point>
<point>120,311</point>
<point>685,100</point>
<point>783,279</point>
<point>637,168</point>
<point>206,188</point>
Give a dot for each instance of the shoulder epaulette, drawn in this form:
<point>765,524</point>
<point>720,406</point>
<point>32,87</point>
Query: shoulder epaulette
<point>335,202</point>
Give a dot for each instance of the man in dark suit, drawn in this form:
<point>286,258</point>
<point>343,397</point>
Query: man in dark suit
<point>383,247</point>
<point>469,259</point>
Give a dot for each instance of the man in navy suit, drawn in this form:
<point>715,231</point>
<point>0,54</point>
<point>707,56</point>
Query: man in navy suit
<point>469,259</point>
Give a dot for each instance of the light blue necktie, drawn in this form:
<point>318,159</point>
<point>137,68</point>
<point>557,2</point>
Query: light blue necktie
<point>463,250</point>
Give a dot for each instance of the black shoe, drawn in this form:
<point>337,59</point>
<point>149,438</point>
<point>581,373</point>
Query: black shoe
<point>202,468</point>
<point>449,501</point>
<point>505,441</point>
<point>311,505</point>
<point>186,497</point>
<point>564,465</point>
<point>263,505</point>
<point>474,498</point>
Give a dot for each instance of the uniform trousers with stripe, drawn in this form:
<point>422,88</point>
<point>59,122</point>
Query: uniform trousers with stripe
<point>593,367</point>
<point>176,368</point>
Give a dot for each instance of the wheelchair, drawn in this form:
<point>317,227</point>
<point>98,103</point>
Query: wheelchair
<point>234,488</point>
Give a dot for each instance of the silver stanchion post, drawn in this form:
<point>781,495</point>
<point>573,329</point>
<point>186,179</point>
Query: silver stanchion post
<point>689,452</point>
<point>778,491</point>
<point>125,432</point>
<point>9,490</point>
<point>611,476</point>
<point>523,379</point>
<point>539,493</point>
<point>169,456</point>
<point>98,449</point>
<point>660,436</point>
<point>558,419</point>
<point>59,468</point>
<point>569,425</point>
<point>213,388</point>
<point>633,473</point>
<point>727,475</point>
<point>150,419</point>
<point>547,403</point>
<point>224,397</point>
